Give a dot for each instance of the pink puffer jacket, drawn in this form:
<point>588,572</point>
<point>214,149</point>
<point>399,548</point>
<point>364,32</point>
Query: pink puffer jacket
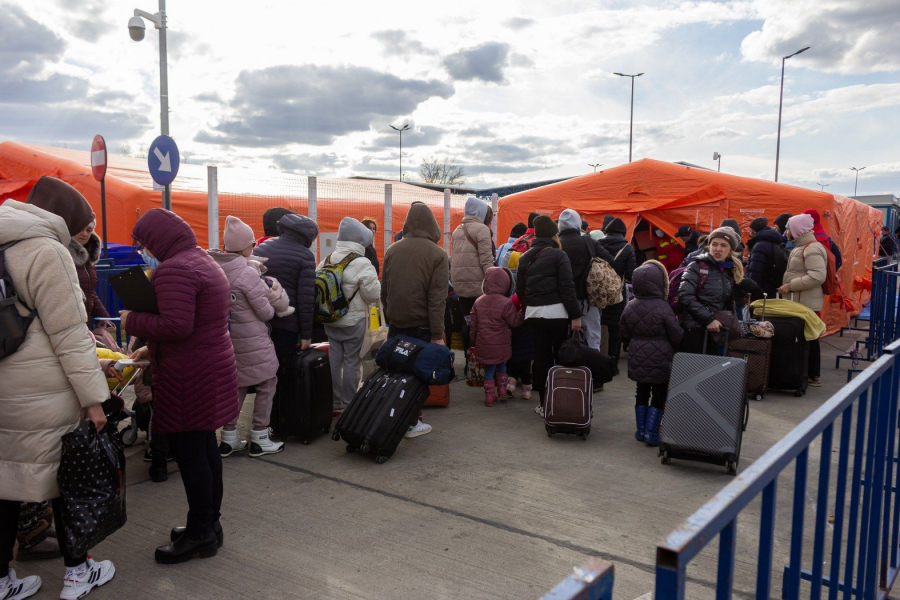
<point>195,385</point>
<point>250,310</point>
<point>492,317</point>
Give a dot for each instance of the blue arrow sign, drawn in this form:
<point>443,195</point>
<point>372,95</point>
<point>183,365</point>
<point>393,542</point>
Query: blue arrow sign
<point>163,160</point>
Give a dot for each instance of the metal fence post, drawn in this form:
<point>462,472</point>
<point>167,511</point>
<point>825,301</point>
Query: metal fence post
<point>313,210</point>
<point>495,204</point>
<point>447,231</point>
<point>388,217</point>
<point>212,200</point>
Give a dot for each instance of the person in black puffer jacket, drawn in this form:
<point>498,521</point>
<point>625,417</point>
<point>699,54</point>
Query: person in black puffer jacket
<point>546,287</point>
<point>578,248</point>
<point>292,263</point>
<point>371,253</point>
<point>765,267</point>
<point>624,262</point>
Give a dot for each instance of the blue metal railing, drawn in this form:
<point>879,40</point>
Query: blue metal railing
<point>884,319</point>
<point>865,529</point>
<point>592,581</point>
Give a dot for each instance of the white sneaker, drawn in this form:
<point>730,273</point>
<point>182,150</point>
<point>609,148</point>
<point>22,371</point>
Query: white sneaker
<point>261,443</point>
<point>81,580</point>
<point>17,589</point>
<point>420,428</point>
<point>231,443</point>
<point>539,410</point>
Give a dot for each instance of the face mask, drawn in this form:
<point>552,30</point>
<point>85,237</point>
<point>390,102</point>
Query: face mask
<point>151,261</point>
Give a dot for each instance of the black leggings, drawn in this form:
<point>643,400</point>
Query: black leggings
<point>547,336</point>
<point>198,458</point>
<point>9,524</point>
<point>815,359</point>
<point>642,396</point>
<point>520,370</point>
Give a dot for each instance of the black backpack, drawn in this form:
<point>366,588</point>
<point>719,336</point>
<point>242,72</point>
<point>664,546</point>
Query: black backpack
<point>780,255</point>
<point>13,326</point>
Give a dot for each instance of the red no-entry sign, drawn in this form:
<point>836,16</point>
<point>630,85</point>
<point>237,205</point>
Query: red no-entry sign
<point>98,157</point>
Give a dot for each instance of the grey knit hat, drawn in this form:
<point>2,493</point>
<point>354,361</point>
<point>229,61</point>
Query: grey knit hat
<point>726,233</point>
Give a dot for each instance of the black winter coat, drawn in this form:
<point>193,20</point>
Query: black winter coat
<point>372,255</point>
<point>761,265</point>
<point>624,266</point>
<point>292,263</point>
<point>549,280</point>
<point>575,246</point>
<point>651,325</point>
<point>699,302</point>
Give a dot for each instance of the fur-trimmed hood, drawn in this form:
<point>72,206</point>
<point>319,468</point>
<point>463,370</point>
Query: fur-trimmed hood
<point>650,283</point>
<point>83,254</point>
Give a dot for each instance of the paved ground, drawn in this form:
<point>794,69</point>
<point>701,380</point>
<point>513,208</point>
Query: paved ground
<point>487,506</point>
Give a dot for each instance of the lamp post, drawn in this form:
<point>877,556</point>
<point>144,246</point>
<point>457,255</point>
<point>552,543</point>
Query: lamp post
<point>780,101</point>
<point>718,157</point>
<point>595,165</point>
<point>856,184</point>
<point>631,124</point>
<point>823,185</point>
<point>401,130</point>
<point>136,30</point>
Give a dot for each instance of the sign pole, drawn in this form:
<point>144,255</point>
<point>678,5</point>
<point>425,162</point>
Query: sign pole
<point>103,216</point>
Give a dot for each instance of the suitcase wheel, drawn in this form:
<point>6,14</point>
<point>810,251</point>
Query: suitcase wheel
<point>381,459</point>
<point>336,436</point>
<point>129,435</point>
<point>731,467</point>
<point>665,457</point>
<point>758,397</point>
<point>327,429</point>
<point>584,436</point>
<point>365,448</point>
<point>798,393</point>
<point>550,432</point>
<point>351,449</point>
<point>306,442</point>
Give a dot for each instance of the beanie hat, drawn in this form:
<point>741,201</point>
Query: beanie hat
<point>238,235</point>
<point>271,218</point>
<point>531,218</point>
<point>781,221</point>
<point>759,223</point>
<point>733,224</point>
<point>606,221</point>
<point>545,227</point>
<point>518,230</point>
<point>800,225</point>
<point>725,233</point>
<point>684,231</point>
<point>58,197</point>
<point>584,225</point>
<point>615,225</point>
<point>569,219</point>
<point>597,235</point>
<point>351,230</point>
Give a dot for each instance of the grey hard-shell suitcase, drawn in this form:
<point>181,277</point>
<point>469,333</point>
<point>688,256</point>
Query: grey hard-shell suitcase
<point>706,410</point>
<point>384,408</point>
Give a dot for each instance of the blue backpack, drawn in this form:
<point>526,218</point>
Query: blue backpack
<point>431,363</point>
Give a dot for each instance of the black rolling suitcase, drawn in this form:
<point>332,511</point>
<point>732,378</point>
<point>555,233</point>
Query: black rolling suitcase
<point>706,410</point>
<point>789,370</point>
<point>758,354</point>
<point>303,400</point>
<point>384,408</point>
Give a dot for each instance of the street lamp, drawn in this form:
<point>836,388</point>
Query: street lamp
<point>718,157</point>
<point>855,185</point>
<point>136,30</point>
<point>823,185</point>
<point>631,125</point>
<point>595,166</point>
<point>401,130</point>
<point>780,101</point>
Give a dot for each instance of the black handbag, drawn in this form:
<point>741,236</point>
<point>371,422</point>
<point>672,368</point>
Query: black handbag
<point>574,352</point>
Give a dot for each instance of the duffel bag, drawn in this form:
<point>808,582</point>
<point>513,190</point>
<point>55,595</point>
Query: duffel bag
<point>431,363</point>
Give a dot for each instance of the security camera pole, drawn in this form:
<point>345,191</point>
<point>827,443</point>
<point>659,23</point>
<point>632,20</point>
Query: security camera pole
<point>136,30</point>
<point>631,121</point>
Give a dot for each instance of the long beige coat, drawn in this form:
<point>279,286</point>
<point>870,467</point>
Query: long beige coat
<point>469,263</point>
<point>54,374</point>
<point>806,272</point>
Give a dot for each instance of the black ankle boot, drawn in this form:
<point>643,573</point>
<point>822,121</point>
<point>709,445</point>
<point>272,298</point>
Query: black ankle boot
<point>184,549</point>
<point>159,472</point>
<point>177,532</point>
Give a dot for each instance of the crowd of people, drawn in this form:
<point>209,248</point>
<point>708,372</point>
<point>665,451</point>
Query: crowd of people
<point>235,315</point>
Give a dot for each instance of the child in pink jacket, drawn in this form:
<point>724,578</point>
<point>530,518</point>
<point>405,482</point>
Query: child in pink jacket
<point>493,314</point>
<point>254,352</point>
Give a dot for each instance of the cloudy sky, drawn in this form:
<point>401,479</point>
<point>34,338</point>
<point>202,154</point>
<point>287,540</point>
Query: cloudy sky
<point>514,91</point>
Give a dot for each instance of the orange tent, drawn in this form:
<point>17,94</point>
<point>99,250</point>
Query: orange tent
<point>669,195</point>
<point>242,192</point>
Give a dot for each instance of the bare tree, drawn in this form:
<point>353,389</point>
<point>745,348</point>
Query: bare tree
<point>127,149</point>
<point>441,170</point>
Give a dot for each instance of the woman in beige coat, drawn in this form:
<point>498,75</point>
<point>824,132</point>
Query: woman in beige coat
<point>472,255</point>
<point>52,379</point>
<point>806,271</point>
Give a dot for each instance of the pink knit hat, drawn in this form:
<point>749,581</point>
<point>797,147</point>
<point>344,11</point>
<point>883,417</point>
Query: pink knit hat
<point>238,235</point>
<point>800,225</point>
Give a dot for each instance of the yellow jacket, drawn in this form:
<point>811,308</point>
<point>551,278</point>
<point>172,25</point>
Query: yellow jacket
<point>106,354</point>
<point>813,326</point>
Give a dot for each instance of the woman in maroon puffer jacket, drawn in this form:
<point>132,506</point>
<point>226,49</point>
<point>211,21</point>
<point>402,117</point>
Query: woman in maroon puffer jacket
<point>85,250</point>
<point>195,386</point>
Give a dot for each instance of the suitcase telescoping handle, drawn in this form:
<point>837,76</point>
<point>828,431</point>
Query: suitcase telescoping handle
<point>709,333</point>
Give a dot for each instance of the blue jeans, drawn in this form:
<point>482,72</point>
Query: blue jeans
<point>491,370</point>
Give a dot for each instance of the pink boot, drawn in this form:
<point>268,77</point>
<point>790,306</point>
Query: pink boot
<point>490,395</point>
<point>526,392</point>
<point>511,386</point>
<point>500,380</point>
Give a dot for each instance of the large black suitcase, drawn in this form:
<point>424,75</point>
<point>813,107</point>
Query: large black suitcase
<point>303,400</point>
<point>789,370</point>
<point>384,408</point>
<point>706,410</point>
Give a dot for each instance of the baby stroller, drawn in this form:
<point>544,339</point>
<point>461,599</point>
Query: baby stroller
<point>139,414</point>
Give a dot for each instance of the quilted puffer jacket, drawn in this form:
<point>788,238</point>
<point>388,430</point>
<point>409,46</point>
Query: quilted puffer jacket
<point>195,383</point>
<point>469,262</point>
<point>85,257</point>
<point>492,317</point>
<point>292,263</point>
<point>651,325</point>
<point>700,301</point>
<point>254,352</point>
<point>760,267</point>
